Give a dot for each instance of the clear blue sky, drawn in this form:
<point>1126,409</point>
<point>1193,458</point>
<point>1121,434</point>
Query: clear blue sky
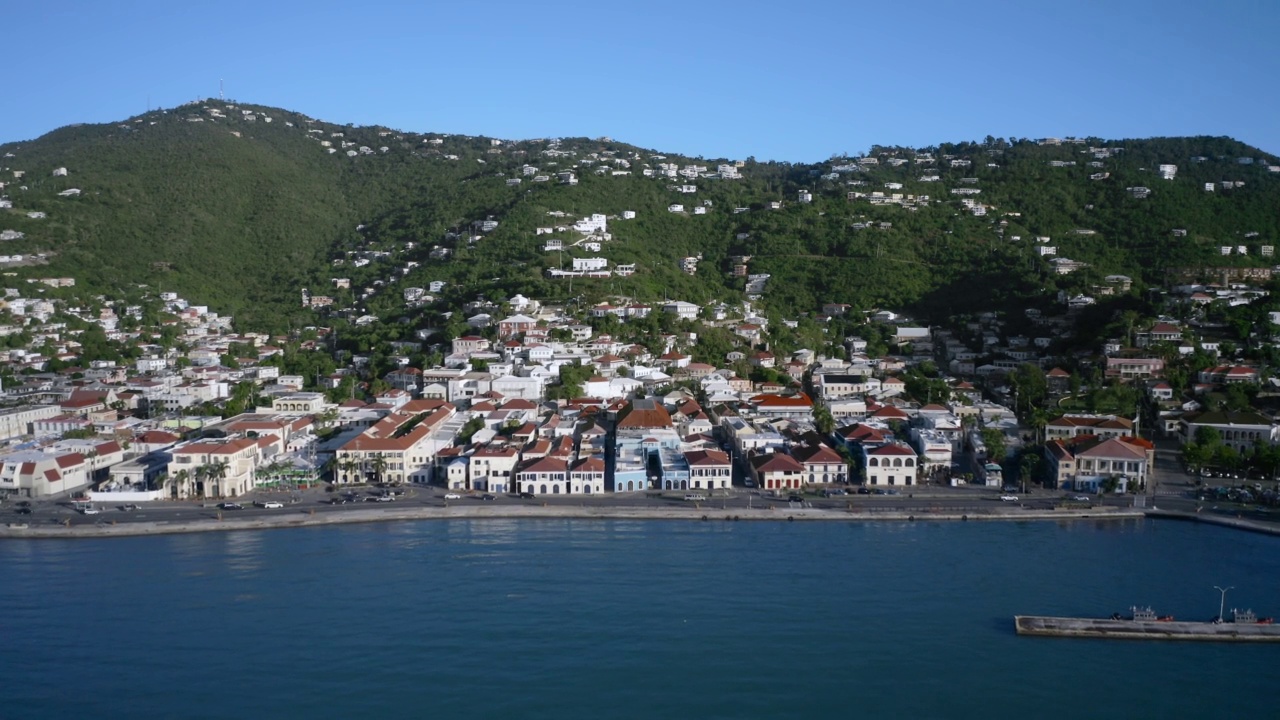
<point>793,81</point>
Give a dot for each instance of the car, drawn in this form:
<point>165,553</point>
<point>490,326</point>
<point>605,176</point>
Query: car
<point>128,508</point>
<point>336,500</point>
<point>695,497</point>
<point>1082,498</point>
<point>834,493</point>
<point>795,498</point>
<point>230,506</point>
<point>452,496</point>
<point>89,510</point>
<point>370,498</point>
<point>23,511</point>
<point>864,491</point>
<point>1009,498</point>
<point>24,503</point>
<point>527,496</point>
<point>384,498</point>
<point>270,504</point>
<point>488,496</point>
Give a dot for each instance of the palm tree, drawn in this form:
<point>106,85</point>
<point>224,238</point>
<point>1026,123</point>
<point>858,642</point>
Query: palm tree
<point>218,471</point>
<point>379,465</point>
<point>178,480</point>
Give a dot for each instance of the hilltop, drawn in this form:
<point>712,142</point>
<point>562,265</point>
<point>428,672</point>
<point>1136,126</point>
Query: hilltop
<point>242,207</point>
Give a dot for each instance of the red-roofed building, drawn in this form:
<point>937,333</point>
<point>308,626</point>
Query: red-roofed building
<point>771,406</point>
<point>543,476</point>
<point>777,471</point>
<point>586,475</point>
<point>821,464</point>
<point>398,448</point>
<point>214,468</point>
<point>709,469</point>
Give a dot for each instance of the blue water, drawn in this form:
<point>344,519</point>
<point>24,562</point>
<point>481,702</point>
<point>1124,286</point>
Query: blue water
<point>617,619</point>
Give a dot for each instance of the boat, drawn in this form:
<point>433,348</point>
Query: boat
<point>1144,624</point>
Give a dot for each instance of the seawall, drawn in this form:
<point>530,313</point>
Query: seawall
<point>476,512</point>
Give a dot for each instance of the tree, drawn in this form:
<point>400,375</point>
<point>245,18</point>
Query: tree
<point>993,440</point>
<point>1032,388</point>
<point>378,465</point>
<point>823,419</point>
<point>1028,465</point>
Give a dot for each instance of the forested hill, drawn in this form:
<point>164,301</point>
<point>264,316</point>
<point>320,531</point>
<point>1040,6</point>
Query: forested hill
<point>241,207</point>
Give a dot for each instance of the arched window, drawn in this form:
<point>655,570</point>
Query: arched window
<point>897,462</point>
<point>874,462</point>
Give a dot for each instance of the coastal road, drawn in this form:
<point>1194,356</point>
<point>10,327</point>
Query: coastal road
<point>921,500</point>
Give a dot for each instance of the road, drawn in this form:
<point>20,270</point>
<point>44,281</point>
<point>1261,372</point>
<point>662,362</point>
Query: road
<point>920,500</point>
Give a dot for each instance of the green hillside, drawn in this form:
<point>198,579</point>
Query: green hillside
<point>243,214</point>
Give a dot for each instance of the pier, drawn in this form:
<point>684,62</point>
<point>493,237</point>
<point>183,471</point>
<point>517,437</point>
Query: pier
<point>1145,629</point>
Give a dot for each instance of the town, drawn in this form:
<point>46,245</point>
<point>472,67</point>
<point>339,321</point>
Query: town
<point>1109,391</point>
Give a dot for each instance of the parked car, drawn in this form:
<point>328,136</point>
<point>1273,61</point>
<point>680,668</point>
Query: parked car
<point>695,497</point>
<point>795,498</point>
<point>385,498</point>
<point>864,490</point>
<point>24,510</point>
<point>452,496</point>
<point>527,496</point>
<point>1082,498</point>
<point>270,504</point>
<point>1009,498</point>
<point>128,508</point>
<point>230,506</point>
<point>488,496</point>
<point>89,510</point>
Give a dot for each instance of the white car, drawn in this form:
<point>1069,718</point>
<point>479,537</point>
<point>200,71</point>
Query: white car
<point>452,496</point>
<point>270,504</point>
<point>1082,498</point>
<point>89,510</point>
<point>1009,498</point>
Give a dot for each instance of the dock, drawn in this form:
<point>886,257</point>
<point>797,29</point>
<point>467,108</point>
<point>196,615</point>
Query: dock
<point>1145,629</point>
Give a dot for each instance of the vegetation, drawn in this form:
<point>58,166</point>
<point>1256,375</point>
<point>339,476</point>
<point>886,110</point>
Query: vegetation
<point>243,215</point>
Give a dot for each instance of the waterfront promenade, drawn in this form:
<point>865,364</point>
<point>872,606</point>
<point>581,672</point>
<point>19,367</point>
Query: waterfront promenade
<point>166,518</point>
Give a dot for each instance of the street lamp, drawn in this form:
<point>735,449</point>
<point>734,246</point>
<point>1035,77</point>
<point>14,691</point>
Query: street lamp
<point>1222,601</point>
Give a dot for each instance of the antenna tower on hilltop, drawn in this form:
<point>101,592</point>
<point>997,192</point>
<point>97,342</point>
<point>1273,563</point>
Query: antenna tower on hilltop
<point>221,95</point>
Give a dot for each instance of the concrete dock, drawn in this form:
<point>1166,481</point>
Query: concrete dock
<point>1145,629</point>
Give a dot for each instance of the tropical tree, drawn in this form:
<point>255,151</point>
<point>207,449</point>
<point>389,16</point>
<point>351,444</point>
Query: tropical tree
<point>1028,465</point>
<point>378,465</point>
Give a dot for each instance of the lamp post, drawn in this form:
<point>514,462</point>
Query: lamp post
<point>1222,600</point>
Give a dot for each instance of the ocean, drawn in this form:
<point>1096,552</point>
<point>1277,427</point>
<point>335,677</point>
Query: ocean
<point>559,618</point>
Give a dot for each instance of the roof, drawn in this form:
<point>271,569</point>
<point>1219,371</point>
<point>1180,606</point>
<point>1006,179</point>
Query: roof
<point>900,450</point>
<point>1113,448</point>
<point>645,413</point>
<point>776,462</point>
<point>817,454</point>
<point>545,465</point>
<point>706,457</point>
<point>591,463</point>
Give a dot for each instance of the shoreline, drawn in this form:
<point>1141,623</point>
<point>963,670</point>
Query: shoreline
<point>272,522</point>
<point>1219,520</point>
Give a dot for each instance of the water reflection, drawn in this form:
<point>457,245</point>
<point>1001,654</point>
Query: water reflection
<point>244,552</point>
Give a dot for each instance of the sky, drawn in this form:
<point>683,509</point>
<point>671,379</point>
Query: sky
<point>733,79</point>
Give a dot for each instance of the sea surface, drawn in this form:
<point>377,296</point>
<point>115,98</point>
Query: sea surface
<point>620,619</point>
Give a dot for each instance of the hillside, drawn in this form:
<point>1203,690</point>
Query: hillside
<point>242,207</point>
